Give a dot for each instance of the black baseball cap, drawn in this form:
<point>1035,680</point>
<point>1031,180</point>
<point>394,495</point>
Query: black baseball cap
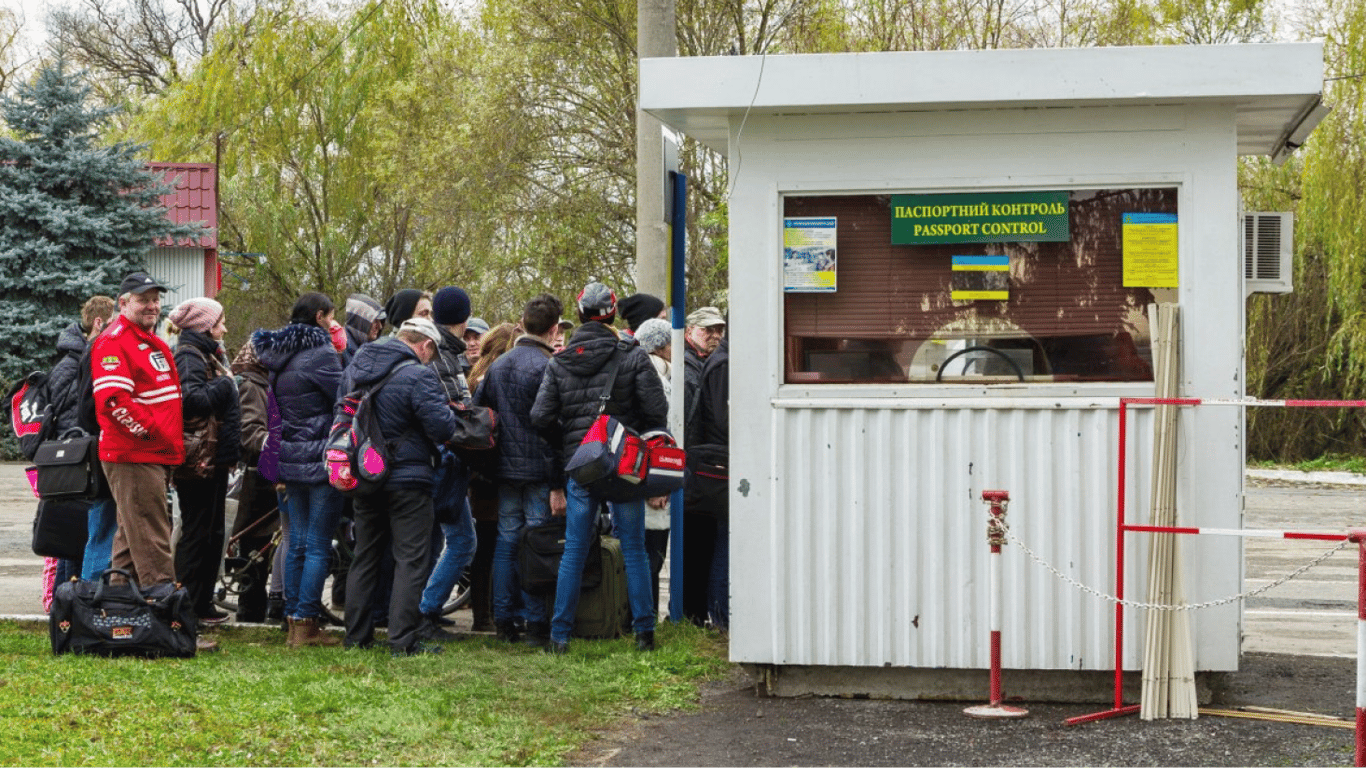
<point>140,282</point>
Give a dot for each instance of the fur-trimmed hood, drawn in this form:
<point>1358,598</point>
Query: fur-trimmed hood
<point>274,349</point>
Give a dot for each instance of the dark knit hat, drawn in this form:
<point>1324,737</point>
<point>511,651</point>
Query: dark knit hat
<point>639,307</point>
<point>450,306</point>
<point>597,302</point>
<point>401,305</point>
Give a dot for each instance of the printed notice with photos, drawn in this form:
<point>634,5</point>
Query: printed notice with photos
<point>809,257</point>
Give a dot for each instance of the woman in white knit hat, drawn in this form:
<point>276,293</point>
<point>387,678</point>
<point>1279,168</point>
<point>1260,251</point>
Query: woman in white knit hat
<point>208,392</point>
<point>656,337</point>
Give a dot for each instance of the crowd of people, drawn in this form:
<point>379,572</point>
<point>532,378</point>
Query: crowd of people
<point>193,420</point>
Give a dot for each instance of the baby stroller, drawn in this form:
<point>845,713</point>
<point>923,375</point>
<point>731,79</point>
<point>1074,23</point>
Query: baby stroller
<point>244,578</point>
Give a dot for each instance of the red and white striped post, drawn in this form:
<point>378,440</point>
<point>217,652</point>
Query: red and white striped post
<point>1358,536</point>
<point>996,537</point>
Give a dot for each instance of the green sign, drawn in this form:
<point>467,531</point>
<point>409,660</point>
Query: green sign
<point>986,217</point>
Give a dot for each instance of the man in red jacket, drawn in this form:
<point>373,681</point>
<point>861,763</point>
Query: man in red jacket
<point>137,404</point>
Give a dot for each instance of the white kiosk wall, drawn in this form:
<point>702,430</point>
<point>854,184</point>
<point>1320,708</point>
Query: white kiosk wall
<point>858,537</point>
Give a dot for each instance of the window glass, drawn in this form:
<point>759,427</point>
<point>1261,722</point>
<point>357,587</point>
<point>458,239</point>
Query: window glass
<point>893,317</point>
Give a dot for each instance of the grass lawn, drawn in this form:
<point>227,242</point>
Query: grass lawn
<point>259,703</point>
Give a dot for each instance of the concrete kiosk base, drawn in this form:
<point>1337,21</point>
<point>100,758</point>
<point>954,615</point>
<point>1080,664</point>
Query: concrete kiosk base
<point>1052,686</point>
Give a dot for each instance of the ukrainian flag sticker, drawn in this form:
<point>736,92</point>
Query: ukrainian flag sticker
<point>981,278</point>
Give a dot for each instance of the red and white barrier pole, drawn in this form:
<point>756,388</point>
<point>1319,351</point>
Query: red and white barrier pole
<point>1359,537</point>
<point>996,538</point>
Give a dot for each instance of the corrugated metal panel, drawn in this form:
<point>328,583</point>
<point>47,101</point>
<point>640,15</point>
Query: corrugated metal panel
<point>195,199</point>
<point>180,269</point>
<point>885,563</point>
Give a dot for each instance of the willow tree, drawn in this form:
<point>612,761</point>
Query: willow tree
<point>290,105</point>
<point>1312,343</point>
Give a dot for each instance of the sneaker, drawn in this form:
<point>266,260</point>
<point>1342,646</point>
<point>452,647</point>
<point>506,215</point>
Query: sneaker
<point>430,631</point>
<point>557,648</point>
<point>419,648</point>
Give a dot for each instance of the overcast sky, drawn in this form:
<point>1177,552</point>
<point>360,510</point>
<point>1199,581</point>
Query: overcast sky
<point>33,12</point>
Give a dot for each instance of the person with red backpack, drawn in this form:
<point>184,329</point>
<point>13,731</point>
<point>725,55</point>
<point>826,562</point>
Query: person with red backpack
<point>567,404</point>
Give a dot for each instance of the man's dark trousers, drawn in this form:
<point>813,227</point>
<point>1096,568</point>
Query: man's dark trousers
<point>399,519</point>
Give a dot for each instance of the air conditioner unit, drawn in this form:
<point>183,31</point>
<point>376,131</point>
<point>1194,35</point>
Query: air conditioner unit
<point>1267,249</point>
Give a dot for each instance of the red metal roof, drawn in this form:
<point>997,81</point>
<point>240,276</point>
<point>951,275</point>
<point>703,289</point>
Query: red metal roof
<point>195,199</point>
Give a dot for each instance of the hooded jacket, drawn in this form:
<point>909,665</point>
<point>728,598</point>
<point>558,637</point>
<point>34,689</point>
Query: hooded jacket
<point>62,380</point>
<point>574,381</point>
<point>413,413</point>
<point>305,370</point>
<point>207,389</point>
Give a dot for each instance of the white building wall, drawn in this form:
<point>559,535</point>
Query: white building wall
<point>856,533</point>
<point>181,270</point>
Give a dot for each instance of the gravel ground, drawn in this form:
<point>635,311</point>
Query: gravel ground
<point>734,726</point>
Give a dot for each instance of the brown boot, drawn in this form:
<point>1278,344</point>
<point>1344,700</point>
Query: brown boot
<point>292,640</point>
<point>309,633</point>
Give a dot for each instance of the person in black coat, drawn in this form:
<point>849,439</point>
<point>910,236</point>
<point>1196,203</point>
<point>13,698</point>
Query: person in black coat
<point>529,472</point>
<point>207,390</point>
<point>455,541</point>
<point>68,382</point>
<point>713,429</point>
<point>567,403</point>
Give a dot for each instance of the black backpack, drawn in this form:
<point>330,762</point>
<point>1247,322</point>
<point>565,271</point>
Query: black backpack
<point>356,454</point>
<point>33,411</point>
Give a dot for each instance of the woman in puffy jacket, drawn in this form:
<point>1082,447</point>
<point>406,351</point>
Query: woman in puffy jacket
<point>305,370</point>
<point>207,390</point>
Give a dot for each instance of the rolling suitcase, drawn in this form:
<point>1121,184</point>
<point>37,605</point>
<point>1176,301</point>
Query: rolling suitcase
<point>605,611</point>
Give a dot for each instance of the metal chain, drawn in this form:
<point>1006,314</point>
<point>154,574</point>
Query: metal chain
<point>1164,607</point>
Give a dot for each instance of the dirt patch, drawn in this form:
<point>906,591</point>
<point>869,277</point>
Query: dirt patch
<point>735,726</point>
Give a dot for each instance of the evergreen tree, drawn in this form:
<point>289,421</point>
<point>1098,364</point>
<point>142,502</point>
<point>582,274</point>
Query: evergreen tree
<point>74,216</point>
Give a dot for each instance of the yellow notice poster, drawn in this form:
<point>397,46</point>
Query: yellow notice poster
<point>1150,250</point>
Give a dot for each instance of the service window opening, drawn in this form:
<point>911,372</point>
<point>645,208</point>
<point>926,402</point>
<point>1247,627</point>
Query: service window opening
<point>980,288</point>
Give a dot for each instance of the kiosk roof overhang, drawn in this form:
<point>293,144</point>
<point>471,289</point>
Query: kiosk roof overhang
<point>1275,87</point>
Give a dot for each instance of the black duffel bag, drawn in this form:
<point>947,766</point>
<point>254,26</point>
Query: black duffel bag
<point>108,619</point>
<point>538,558</point>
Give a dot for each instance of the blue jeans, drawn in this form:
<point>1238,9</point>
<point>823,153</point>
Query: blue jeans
<point>455,558</point>
<point>629,520</point>
<point>101,522</point>
<point>313,511</point>
<point>521,505</point>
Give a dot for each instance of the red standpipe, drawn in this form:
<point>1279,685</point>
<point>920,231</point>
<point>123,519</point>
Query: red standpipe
<point>996,539</point>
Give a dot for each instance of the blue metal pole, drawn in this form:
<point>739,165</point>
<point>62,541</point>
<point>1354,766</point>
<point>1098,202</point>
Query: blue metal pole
<point>678,220</point>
